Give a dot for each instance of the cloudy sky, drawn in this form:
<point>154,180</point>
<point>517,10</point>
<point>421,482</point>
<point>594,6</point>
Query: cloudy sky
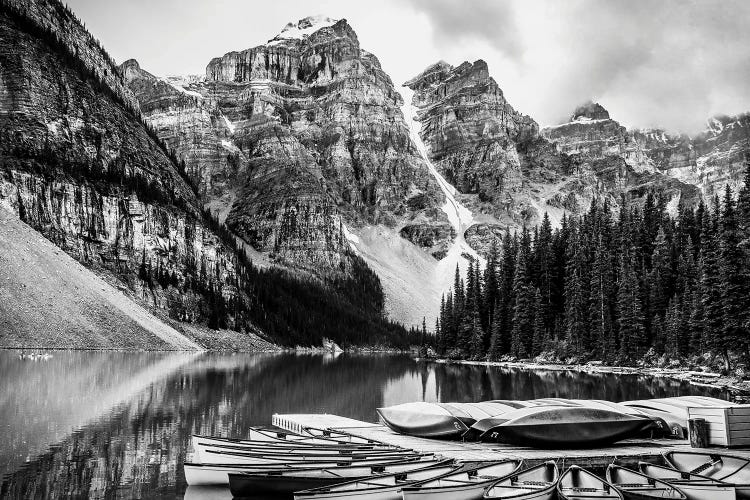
<point>668,63</point>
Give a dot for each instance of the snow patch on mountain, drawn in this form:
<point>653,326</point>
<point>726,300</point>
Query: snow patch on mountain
<point>302,29</point>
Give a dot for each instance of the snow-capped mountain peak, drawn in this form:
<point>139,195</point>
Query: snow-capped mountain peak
<point>304,28</point>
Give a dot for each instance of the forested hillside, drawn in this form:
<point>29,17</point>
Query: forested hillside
<point>611,288</point>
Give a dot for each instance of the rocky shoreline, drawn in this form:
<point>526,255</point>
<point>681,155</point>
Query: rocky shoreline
<point>736,386</point>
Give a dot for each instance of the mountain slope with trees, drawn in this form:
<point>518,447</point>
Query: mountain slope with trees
<point>616,288</point>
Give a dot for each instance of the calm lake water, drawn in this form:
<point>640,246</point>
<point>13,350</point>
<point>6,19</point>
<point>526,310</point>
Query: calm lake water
<point>118,425</point>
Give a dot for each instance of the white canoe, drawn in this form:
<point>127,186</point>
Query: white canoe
<point>200,474</point>
<point>382,487</point>
<point>535,483</point>
<point>577,483</point>
<point>468,484</point>
<point>340,436</point>
<point>694,486</point>
<point>306,443</point>
<point>217,456</point>
<point>638,486</point>
<point>203,451</point>
<point>727,468</point>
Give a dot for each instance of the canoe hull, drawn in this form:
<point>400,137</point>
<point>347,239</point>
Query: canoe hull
<point>391,493</point>
<point>547,493</point>
<point>463,492</point>
<point>563,435</point>
<point>251,485</point>
<point>422,425</point>
<point>706,492</point>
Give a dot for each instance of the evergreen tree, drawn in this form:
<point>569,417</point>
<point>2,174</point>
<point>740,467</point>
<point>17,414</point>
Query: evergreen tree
<point>733,283</point>
<point>631,328</point>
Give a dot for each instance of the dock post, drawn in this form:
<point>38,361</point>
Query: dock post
<point>698,430</point>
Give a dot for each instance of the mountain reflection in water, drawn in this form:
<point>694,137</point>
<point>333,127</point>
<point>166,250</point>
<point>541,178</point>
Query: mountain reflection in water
<point>114,424</point>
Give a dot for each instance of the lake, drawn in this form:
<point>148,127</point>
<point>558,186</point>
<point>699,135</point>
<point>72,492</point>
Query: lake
<point>93,424</point>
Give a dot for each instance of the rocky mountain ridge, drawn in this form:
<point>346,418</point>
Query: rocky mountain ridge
<point>79,165</point>
<point>292,139</point>
<point>510,172</point>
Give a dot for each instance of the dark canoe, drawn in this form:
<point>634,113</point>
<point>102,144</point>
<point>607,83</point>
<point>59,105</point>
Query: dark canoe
<point>560,427</point>
<point>434,421</point>
<point>273,486</point>
<point>638,486</point>
<point>577,483</point>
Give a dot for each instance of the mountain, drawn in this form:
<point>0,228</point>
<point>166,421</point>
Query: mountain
<point>695,168</point>
<point>301,146</point>
<point>80,165</point>
<point>291,139</point>
<point>510,173</point>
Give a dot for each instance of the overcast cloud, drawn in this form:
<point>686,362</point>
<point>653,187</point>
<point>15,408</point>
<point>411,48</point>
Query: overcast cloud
<point>668,63</point>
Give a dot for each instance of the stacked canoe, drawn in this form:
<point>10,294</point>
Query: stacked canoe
<point>335,465</point>
<point>549,422</point>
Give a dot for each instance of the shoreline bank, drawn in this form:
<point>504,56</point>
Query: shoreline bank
<point>734,385</point>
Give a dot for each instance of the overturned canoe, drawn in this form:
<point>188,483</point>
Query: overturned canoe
<point>577,483</point>
<point>559,427</point>
<point>727,468</point>
<point>381,487</point>
<point>424,420</point>
<point>694,486</point>
<point>638,486</point>
<point>282,484</point>
<point>535,483</point>
<point>465,484</point>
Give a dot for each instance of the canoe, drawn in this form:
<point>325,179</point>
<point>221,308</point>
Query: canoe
<point>672,407</point>
<point>638,486</point>
<point>560,427</point>
<point>536,483</point>
<point>216,456</point>
<point>577,483</point>
<point>659,427</point>
<point>705,401</point>
<point>694,486</point>
<point>381,487</point>
<point>213,474</point>
<point>423,420</point>
<point>207,493</point>
<point>727,468</point>
<point>554,402</point>
<point>675,417</point>
<point>512,403</point>
<point>283,445</point>
<point>281,436</point>
<point>201,448</point>
<point>340,436</point>
<point>466,484</point>
<point>283,483</point>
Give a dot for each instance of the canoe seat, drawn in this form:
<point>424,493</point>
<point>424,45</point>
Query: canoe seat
<point>536,483</point>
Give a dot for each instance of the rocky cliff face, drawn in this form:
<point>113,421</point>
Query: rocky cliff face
<point>78,166</point>
<point>681,168</point>
<point>510,173</point>
<point>294,138</point>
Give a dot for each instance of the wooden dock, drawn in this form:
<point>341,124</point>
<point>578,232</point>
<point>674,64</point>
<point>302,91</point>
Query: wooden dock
<point>628,452</point>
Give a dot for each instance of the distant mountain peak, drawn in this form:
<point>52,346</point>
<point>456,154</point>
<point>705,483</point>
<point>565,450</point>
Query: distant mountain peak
<point>304,28</point>
<point>590,111</point>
